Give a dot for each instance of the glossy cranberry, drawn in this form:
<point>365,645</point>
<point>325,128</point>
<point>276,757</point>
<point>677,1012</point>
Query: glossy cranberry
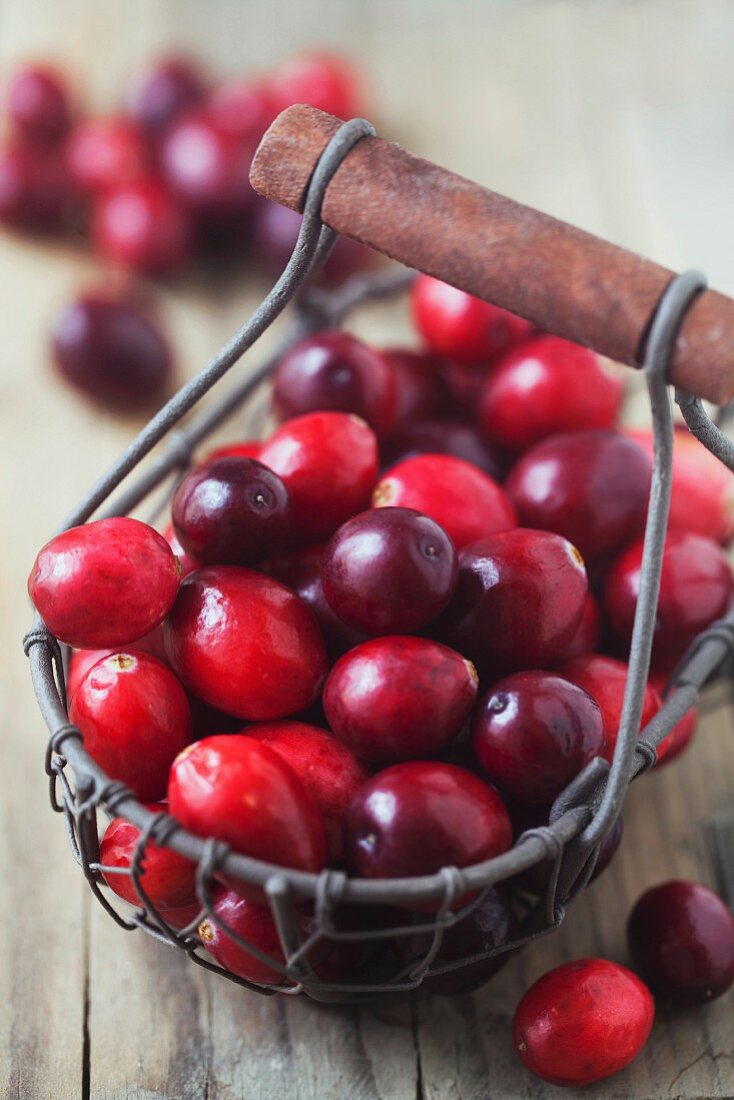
<point>399,698</point>
<point>443,437</point>
<point>533,733</point>
<point>418,387</point>
<point>518,602</point>
<point>275,231</point>
<point>113,351</point>
<point>460,497</point>
<point>328,461</point>
<point>38,106</point>
<point>168,89</point>
<point>389,571</point>
<point>81,660</point>
<point>142,226</point>
<point>207,167</point>
<point>582,1022</point>
<point>135,718</point>
<point>548,385</point>
<point>322,80</point>
<point>245,644</point>
<point>168,879</point>
<point>240,791</point>
<point>696,587</point>
<point>605,679</point>
<point>242,108</point>
<point>245,448</point>
<point>104,584</point>
<point>459,326</point>
<point>33,190</point>
<point>680,737</point>
<point>329,771</point>
<point>681,937</point>
<point>591,487</point>
<point>231,511</point>
<point>103,153</point>
<point>415,818</point>
<point>335,371</point>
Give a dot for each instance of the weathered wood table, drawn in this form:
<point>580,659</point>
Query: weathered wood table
<point>618,116</point>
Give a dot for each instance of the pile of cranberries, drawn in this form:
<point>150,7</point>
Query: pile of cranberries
<point>387,637</point>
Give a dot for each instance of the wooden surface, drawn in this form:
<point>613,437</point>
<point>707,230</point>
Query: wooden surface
<point>617,116</point>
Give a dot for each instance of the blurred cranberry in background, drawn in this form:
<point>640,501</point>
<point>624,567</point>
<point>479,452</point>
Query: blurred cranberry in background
<point>105,152</point>
<point>38,106</point>
<point>322,80</point>
<point>33,190</point>
<point>242,108</point>
<point>166,91</point>
<point>275,231</point>
<point>207,167</point>
<point>142,226</point>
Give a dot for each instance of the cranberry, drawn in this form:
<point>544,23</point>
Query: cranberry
<point>681,936</point>
<point>322,80</point>
<point>463,384</point>
<point>33,190</point>
<point>275,231</point>
<point>418,386</point>
<point>113,351</point>
<point>142,226</point>
<point>331,774</point>
<point>461,498</point>
<point>38,106</point>
<point>184,916</point>
<point>586,638</point>
<point>240,791</point>
<point>591,487</point>
<point>168,879</point>
<point>680,737</point>
<point>459,326</point>
<point>548,385</point>
<point>415,818</point>
<point>81,660</point>
<point>245,644</point>
<point>389,571</point>
<point>535,879</point>
<point>103,153</point>
<point>533,733</point>
<point>399,698</point>
<point>135,718</point>
<point>328,461</point>
<point>104,584</point>
<point>519,600</point>
<point>242,108</point>
<point>171,87</point>
<point>207,167</point>
<point>443,437</point>
<point>696,587</point>
<point>187,564</point>
<point>605,679</point>
<point>245,448</point>
<point>336,371</point>
<point>231,511</point>
<point>582,1022</point>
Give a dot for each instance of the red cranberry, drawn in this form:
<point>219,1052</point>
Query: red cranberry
<point>184,916</point>
<point>335,371</point>
<point>168,879</point>
<point>463,384</point>
<point>246,448</point>
<point>418,386</point>
<point>586,638</point>
<point>399,698</point>
<point>519,600</point>
<point>135,718</point>
<point>142,226</point>
<point>443,437</point>
<point>245,644</point>
<point>113,351</point>
<point>459,326</point>
<point>235,789</point>
<point>680,737</point>
<point>275,231</point>
<point>464,501</point>
<point>231,511</point>
<point>582,1022</point>
<point>681,936</point>
<point>415,818</point>
<point>331,774</point>
<point>389,571</point>
<point>33,190</point>
<point>103,153</point>
<point>207,167</point>
<point>328,461</point>
<point>533,733</point>
<point>322,80</point>
<point>696,587</point>
<point>591,487</point>
<point>38,106</point>
<point>104,584</point>
<point>242,108</point>
<point>81,660</point>
<point>170,88</point>
<point>548,385</point>
<point>605,679</point>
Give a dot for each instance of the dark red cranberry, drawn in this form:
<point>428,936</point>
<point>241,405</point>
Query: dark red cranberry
<point>518,602</point>
<point>681,937</point>
<point>231,511</point>
<point>322,80</point>
<point>168,89</point>
<point>103,153</point>
<point>275,231</point>
<point>33,190</point>
<point>418,387</point>
<point>536,878</point>
<point>168,879</point>
<point>338,372</point>
<point>141,225</point>
<point>207,167</point>
<point>463,384</point>
<point>443,437</point>
<point>38,106</point>
<point>389,571</point>
<point>696,587</point>
<point>591,487</point>
<point>582,1022</point>
<point>533,734</point>
<point>605,680</point>
<point>135,718</point>
<point>399,698</point>
<point>242,108</point>
<point>112,350</point>
<point>586,638</point>
<point>459,326</point>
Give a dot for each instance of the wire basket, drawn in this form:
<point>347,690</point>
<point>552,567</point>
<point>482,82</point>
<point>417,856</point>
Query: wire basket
<point>580,818</point>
